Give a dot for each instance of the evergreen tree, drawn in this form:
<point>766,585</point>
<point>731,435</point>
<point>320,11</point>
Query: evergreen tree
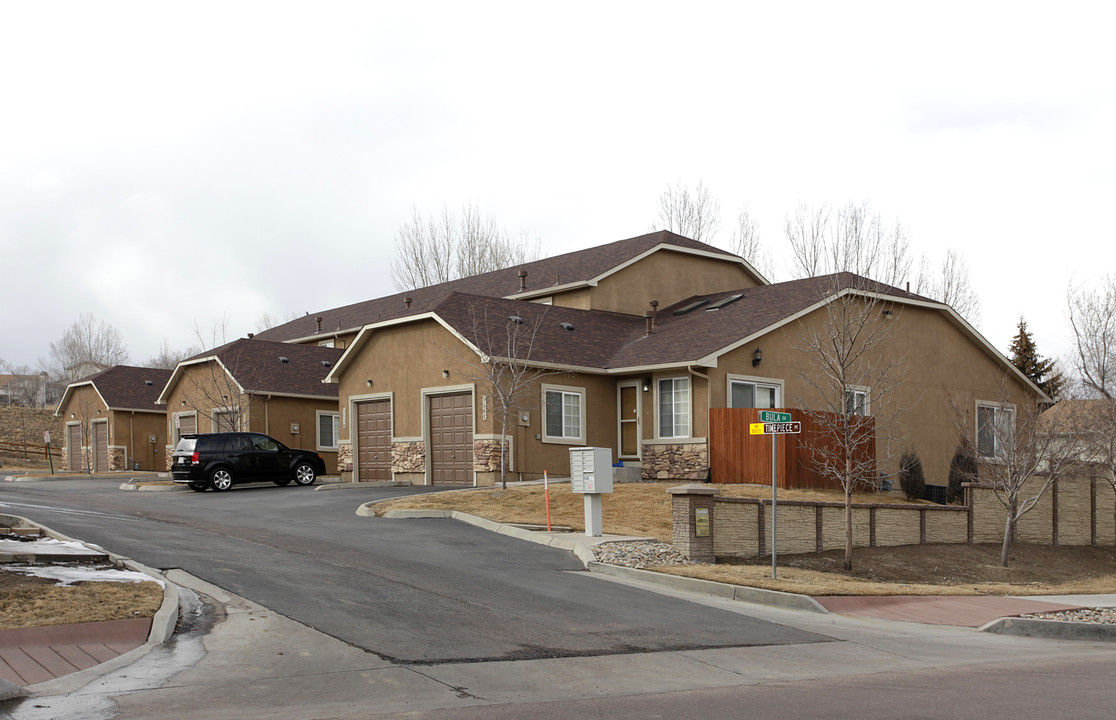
<point>1039,370</point>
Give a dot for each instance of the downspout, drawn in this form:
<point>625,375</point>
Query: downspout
<point>131,439</point>
<point>267,414</point>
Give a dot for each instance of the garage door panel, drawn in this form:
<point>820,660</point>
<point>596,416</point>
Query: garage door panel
<point>451,439</point>
<point>373,421</point>
<point>100,447</point>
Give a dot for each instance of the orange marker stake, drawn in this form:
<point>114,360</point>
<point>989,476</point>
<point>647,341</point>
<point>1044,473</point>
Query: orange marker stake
<point>546,494</point>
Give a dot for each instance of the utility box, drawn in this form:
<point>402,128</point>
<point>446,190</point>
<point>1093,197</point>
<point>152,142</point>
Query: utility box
<point>591,470</point>
<point>591,475</point>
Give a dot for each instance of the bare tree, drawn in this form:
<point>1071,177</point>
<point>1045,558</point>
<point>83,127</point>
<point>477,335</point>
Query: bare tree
<point>1018,455</point>
<point>86,342</point>
<point>267,320</point>
<point>444,248</point>
<point>853,371</point>
<point>853,239</point>
<point>746,243</point>
<point>695,215</point>
<point>1092,315</point>
<point>504,365</point>
<point>950,284</point>
<point>168,359</point>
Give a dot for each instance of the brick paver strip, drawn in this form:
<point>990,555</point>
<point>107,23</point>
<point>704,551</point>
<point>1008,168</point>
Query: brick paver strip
<point>960,610</point>
<point>33,655</point>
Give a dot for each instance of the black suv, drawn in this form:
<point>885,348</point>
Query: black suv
<point>219,460</point>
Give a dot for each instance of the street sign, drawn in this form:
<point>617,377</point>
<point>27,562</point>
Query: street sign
<point>775,428</point>
<point>770,417</point>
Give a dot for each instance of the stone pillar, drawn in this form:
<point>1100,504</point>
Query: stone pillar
<point>692,513</point>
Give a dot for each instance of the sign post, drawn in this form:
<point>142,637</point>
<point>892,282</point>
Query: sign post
<point>774,424</point>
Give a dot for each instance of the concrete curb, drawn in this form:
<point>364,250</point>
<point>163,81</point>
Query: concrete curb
<point>1052,629</point>
<point>338,485</point>
<point>582,547</point>
<point>162,625</point>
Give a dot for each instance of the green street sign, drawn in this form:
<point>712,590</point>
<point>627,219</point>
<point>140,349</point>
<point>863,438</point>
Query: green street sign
<point>768,416</point>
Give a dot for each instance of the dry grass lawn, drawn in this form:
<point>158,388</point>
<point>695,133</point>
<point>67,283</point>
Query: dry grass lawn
<point>32,601</point>
<point>643,510</point>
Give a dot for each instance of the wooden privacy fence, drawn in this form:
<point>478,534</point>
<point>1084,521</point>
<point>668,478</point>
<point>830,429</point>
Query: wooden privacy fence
<point>29,449</point>
<point>735,456</point>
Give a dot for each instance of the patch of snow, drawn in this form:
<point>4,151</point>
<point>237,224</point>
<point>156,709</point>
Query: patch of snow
<point>44,545</point>
<point>70,574</point>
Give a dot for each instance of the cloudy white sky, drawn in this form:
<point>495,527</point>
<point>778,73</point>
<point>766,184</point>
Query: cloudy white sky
<point>163,164</point>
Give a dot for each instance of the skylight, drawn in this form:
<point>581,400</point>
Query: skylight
<point>691,307</point>
<point>724,301</point>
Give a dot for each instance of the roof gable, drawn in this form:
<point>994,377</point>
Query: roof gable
<point>260,367</point>
<point>124,387</point>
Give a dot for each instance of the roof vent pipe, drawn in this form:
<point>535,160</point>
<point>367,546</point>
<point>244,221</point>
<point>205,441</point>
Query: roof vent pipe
<point>283,359</point>
<point>650,320</point>
<point>654,312</point>
<point>251,335</point>
<point>407,302</point>
<point>319,321</point>
<point>522,280</point>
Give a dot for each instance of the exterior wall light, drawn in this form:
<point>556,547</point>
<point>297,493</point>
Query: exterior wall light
<point>757,357</point>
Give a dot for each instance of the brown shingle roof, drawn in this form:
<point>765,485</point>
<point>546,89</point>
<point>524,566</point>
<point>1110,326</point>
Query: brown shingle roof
<point>131,388</point>
<point>258,366</point>
<point>607,341</point>
<point>570,268</point>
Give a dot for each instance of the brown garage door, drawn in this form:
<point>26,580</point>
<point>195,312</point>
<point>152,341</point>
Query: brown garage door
<point>73,441</point>
<point>187,425</point>
<point>100,447</point>
<point>451,439</point>
<point>373,450</point>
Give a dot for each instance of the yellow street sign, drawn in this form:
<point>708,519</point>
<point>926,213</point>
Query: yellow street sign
<point>755,428</point>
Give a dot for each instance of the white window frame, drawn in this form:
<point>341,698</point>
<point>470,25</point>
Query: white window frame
<point>774,383</point>
<point>855,390</point>
<point>318,414</point>
<point>998,453</point>
<point>326,343</point>
<point>688,430</point>
<point>564,439</point>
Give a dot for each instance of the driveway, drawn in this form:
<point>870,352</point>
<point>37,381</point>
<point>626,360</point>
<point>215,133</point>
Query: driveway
<point>419,592</point>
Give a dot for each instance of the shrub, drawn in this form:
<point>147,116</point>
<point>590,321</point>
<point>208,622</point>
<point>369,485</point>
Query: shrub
<point>962,468</point>
<point>911,478</point>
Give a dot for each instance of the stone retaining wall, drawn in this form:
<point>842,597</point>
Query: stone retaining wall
<point>682,461</point>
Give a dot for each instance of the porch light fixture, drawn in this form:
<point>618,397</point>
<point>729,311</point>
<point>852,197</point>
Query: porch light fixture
<point>369,382</point>
<point>757,357</point>
<point>646,384</point>
<point>445,373</point>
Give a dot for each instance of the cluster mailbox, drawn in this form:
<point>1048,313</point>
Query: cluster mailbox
<point>591,475</point>
<point>591,470</point>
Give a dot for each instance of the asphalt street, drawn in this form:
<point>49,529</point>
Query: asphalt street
<point>410,591</point>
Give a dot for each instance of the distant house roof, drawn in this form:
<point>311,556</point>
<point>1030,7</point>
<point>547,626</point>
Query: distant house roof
<point>694,331</point>
<point>544,277</point>
<point>261,367</point>
<point>124,387</point>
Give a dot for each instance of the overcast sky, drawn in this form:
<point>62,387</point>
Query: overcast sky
<point>162,166</point>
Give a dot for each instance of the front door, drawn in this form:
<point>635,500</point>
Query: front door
<point>628,406</point>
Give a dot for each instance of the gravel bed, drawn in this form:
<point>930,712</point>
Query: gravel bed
<point>1084,615</point>
<point>639,554</point>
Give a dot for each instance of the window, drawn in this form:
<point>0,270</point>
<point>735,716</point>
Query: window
<point>563,413</point>
<point>326,343</point>
<point>995,427</point>
<point>674,407</point>
<point>856,402</point>
<point>328,430</point>
<point>746,394</point>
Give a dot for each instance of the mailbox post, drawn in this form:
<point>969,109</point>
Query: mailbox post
<point>591,475</point>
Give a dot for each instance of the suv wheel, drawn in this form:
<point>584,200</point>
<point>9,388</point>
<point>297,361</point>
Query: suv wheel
<point>220,479</point>
<point>304,474</point>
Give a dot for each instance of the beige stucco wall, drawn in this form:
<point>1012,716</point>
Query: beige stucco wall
<point>404,361</point>
<point>132,432</point>
<point>939,361</point>
<point>665,276</point>
<point>83,405</point>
